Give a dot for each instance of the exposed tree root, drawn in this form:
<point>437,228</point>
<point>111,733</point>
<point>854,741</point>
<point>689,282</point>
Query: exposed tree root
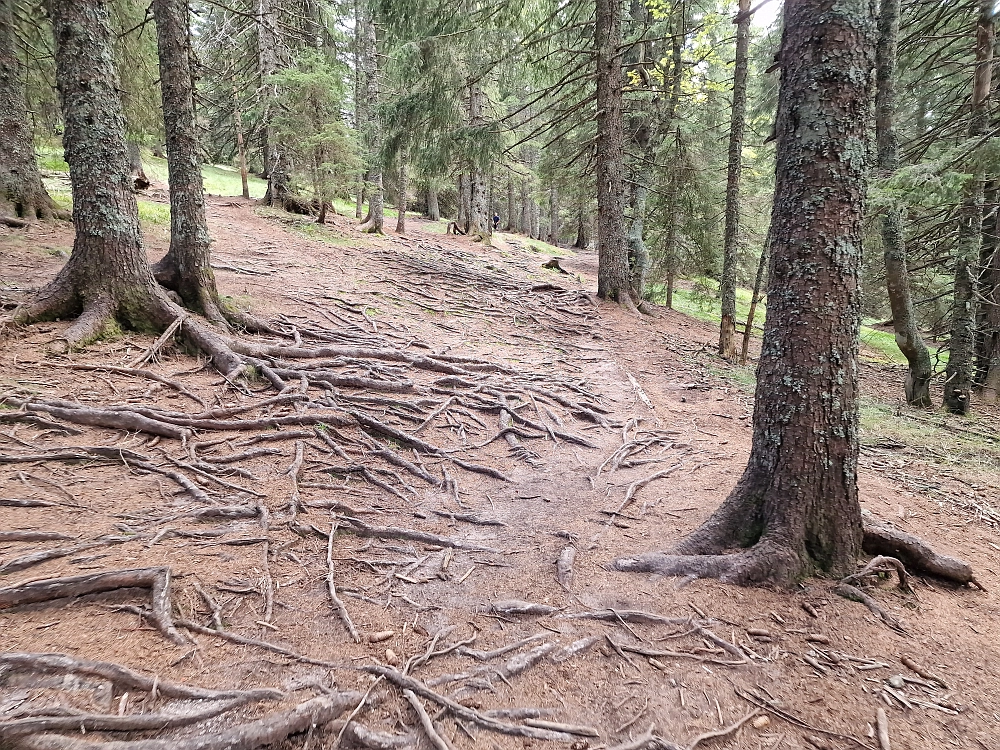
<point>155,579</point>
<point>405,682</point>
<point>123,677</point>
<point>916,554</point>
<point>265,731</point>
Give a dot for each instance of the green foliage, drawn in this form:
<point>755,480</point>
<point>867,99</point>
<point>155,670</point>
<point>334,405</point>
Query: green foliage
<point>310,125</point>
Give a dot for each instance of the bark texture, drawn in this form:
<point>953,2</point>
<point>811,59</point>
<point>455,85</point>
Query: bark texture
<point>612,253</point>
<point>22,195</point>
<point>401,199</point>
<point>480,225</point>
<point>107,280</point>
<point>433,209</point>
<point>269,54</point>
<point>961,356</point>
<point>187,267</point>
<point>796,506</point>
<point>372,128</point>
<point>737,127</point>
<point>908,338</point>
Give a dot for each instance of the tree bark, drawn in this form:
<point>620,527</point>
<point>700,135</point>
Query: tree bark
<point>755,298</point>
<point>107,279</point>
<point>511,224</point>
<point>524,224</point>
<point>961,357</point>
<point>107,275</point>
<point>373,136</point>
<point>401,199</point>
<point>462,219</point>
<point>796,506</point>
<point>737,126</point>
<point>908,338</point>
<point>988,365</point>
<point>240,143</point>
<point>582,229</point>
<point>22,194</point>
<point>187,266</point>
<point>554,227</point>
<point>276,165</point>
<point>433,209</point>
<point>612,253</point>
<point>480,225</point>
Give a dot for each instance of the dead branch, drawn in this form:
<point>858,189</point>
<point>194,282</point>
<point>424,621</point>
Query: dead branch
<point>564,567</point>
<point>853,593</point>
<point>232,637</point>
<point>155,579</point>
<point>338,603</point>
<point>425,721</point>
<point>158,344</point>
<point>361,528</point>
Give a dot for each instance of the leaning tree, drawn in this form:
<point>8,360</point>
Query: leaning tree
<point>23,197</point>
<point>795,509</point>
<point>107,279</point>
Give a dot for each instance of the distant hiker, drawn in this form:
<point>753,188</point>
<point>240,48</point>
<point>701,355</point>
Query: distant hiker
<point>496,222</point>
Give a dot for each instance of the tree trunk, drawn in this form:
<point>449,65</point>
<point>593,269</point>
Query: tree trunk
<point>911,344</point>
<point>796,506</point>
<point>961,357</point>
<point>988,355</point>
<point>511,225</point>
<point>671,249</point>
<point>22,195</point>
<point>480,226</point>
<point>524,225</point>
<point>433,209</point>
<point>107,279</point>
<point>187,266</point>
<point>401,199</point>
<point>240,143</point>
<point>730,252</point>
<point>582,229</point>
<point>612,254</point>
<point>462,218</point>
<point>107,275</point>
<point>755,298</point>
<point>139,179</point>
<point>554,228</point>
<point>373,128</point>
<point>276,164</point>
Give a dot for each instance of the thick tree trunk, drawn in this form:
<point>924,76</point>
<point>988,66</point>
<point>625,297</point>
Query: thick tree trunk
<point>401,201</point>
<point>961,356</point>
<point>480,226</point>
<point>187,266</point>
<point>612,253</point>
<point>433,209</point>
<point>988,356</point>
<point>796,504</point>
<point>276,163</point>
<point>737,126</point>
<point>22,195</point>
<point>908,338</point>
<point>373,135</point>
<point>107,279</point>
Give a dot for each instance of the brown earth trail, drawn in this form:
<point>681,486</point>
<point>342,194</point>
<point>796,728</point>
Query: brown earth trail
<point>376,475</point>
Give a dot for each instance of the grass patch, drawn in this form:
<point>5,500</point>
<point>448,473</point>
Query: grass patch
<point>154,214</point>
<point>700,300</point>
<point>51,159</point>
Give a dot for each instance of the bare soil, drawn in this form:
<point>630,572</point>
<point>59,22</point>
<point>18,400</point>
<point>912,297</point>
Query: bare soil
<point>699,413</point>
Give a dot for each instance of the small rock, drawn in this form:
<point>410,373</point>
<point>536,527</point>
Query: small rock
<point>897,681</point>
<point>761,722</point>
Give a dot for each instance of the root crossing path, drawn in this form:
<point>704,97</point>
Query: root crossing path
<point>398,530</point>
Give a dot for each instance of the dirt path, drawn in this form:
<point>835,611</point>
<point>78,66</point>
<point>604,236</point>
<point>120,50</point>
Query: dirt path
<point>429,294</point>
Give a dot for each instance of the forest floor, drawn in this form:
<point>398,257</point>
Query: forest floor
<point>819,665</point>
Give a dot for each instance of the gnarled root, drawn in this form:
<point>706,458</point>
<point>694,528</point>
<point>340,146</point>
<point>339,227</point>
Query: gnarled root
<point>265,731</point>
<point>767,562</point>
<point>916,554</point>
<point>155,579</point>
